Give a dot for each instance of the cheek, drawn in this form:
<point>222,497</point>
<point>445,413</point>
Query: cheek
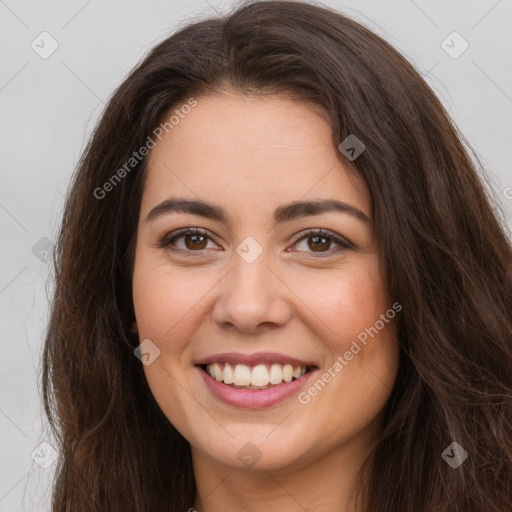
<point>166,307</point>
<point>351,313</point>
<point>342,303</point>
<point>166,302</point>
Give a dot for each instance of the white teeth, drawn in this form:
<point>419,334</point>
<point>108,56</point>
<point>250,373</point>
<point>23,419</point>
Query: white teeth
<point>217,371</point>
<point>287,372</point>
<point>276,374</point>
<point>261,375</point>
<point>242,375</point>
<point>227,374</point>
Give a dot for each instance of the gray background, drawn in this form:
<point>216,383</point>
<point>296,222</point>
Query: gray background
<point>49,107</point>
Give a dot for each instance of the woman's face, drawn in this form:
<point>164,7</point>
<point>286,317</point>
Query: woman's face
<point>255,290</point>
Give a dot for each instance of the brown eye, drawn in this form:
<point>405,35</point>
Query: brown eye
<point>195,241</point>
<point>186,240</point>
<point>319,243</point>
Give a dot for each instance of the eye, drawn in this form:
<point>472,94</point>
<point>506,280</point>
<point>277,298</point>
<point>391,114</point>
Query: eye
<point>317,241</point>
<point>194,240</point>
<point>320,241</point>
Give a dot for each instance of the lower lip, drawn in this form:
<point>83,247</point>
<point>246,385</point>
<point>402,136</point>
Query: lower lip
<point>255,398</point>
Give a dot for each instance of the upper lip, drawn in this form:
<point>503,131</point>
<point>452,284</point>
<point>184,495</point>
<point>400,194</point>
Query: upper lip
<point>254,359</point>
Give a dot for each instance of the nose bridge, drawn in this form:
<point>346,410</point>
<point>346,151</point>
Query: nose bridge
<point>250,269</point>
<point>250,294</point>
<point>251,275</point>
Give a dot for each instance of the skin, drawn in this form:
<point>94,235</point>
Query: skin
<point>251,155</point>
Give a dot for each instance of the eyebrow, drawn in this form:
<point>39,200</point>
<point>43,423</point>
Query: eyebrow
<point>284,213</point>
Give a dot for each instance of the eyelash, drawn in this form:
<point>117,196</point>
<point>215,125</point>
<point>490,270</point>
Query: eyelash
<point>169,239</point>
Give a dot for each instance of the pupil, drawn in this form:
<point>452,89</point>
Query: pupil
<point>317,245</point>
<point>194,243</point>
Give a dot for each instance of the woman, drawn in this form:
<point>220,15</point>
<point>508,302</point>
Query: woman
<point>281,284</point>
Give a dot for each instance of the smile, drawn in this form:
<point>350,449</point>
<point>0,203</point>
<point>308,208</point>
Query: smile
<point>260,376</point>
<point>256,380</point>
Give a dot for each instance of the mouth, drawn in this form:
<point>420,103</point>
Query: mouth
<point>258,377</point>
<point>257,380</point>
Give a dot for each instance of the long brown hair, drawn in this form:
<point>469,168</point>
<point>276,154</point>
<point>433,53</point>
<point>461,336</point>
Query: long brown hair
<point>443,247</point>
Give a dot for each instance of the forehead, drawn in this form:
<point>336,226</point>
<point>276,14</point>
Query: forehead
<point>251,153</point>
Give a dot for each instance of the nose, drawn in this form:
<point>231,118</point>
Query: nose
<point>251,298</point>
